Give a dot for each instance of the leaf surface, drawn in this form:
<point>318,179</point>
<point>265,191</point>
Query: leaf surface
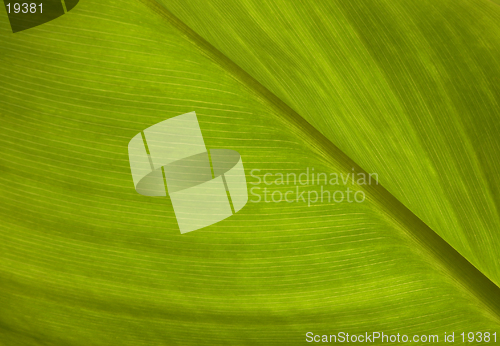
<point>407,89</point>
<point>85,260</point>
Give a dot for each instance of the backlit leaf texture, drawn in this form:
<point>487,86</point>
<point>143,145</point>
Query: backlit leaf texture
<point>406,89</point>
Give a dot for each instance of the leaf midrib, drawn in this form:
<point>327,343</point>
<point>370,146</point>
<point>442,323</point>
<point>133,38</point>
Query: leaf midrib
<point>467,277</point>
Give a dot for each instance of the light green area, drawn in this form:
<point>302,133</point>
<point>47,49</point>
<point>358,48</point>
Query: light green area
<point>174,139</point>
<point>201,205</point>
<point>228,163</point>
<point>172,155</point>
<point>86,260</point>
<point>406,88</point>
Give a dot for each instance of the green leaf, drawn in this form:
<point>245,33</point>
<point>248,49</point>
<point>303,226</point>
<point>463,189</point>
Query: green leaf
<point>407,89</point>
<point>86,260</point>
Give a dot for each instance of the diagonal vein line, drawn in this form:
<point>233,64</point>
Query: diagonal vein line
<point>147,151</point>
<point>228,193</point>
<point>449,261</point>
